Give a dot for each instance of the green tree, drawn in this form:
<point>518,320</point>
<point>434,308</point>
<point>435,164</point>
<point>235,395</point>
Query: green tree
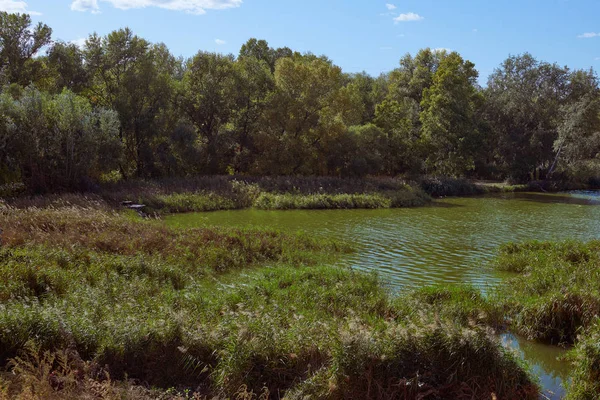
<point>308,110</point>
<point>371,90</point>
<point>66,61</point>
<point>577,147</point>
<point>347,156</point>
<point>57,142</point>
<point>134,78</point>
<point>450,129</point>
<point>415,74</point>
<point>207,96</point>
<point>523,102</point>
<point>254,84</point>
<point>18,46</point>
<point>260,50</point>
<point>398,119</point>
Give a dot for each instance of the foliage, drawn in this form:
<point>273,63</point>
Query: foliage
<point>554,298</point>
<point>19,44</point>
<point>273,111</point>
<point>57,142</point>
<point>449,117</point>
<point>586,361</point>
<point>96,297</point>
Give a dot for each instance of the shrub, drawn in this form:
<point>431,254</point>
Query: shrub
<point>58,142</point>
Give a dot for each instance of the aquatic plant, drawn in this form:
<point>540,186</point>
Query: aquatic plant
<point>224,313</point>
<point>585,357</point>
<point>555,294</point>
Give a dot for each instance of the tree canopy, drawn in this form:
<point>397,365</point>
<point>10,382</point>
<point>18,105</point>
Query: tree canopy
<point>121,105</point>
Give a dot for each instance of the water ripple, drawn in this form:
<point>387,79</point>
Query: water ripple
<point>432,245</point>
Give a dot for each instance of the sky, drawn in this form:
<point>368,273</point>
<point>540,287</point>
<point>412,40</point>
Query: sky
<point>358,35</point>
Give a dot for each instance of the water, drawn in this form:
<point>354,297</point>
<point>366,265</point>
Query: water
<point>448,242</point>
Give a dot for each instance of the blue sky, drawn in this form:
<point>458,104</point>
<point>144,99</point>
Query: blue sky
<point>369,35</point>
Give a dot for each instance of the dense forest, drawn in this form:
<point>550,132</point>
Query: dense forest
<point>120,107</point>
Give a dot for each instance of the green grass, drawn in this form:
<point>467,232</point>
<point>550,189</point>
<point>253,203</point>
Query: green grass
<point>554,296</point>
<point>586,361</point>
<point>228,313</point>
<point>555,293</point>
<point>404,198</point>
<point>461,304</point>
<point>228,193</point>
<point>246,195</point>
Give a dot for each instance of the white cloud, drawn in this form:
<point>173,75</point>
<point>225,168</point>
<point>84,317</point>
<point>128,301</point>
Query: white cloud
<point>79,42</point>
<point>589,35</point>
<point>409,17</point>
<point>390,6</point>
<point>220,42</point>
<point>188,6</point>
<point>85,5</point>
<point>15,6</point>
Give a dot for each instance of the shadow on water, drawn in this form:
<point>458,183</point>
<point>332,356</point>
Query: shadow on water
<point>546,363</point>
<point>443,204</point>
<point>557,198</point>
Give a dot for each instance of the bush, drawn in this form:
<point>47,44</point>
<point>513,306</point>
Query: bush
<point>445,187</point>
<point>58,142</point>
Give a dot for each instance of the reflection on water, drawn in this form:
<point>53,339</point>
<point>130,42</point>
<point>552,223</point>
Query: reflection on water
<point>582,198</point>
<point>448,242</point>
<point>545,361</point>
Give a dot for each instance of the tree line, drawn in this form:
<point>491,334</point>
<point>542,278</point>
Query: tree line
<point>121,106</point>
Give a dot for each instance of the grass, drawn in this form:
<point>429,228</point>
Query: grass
<point>586,361</point>
<point>214,193</point>
<point>403,198</point>
<point>227,193</point>
<point>101,302</point>
<point>554,297</point>
<point>555,293</point>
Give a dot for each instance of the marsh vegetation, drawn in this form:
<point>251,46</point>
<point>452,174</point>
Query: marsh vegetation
<point>94,294</point>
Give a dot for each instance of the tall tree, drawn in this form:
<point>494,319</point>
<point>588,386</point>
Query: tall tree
<point>578,144</point>
<point>523,102</point>
<point>449,118</point>
<point>57,142</point>
<point>66,61</point>
<point>19,43</point>
<point>254,84</point>
<point>131,76</point>
<point>309,108</point>
<point>207,96</point>
<point>260,50</point>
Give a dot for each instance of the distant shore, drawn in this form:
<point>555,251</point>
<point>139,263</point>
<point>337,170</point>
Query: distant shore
<point>214,193</point>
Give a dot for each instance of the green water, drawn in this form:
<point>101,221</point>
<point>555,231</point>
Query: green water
<point>448,242</point>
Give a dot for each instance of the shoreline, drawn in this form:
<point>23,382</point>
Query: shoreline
<point>217,193</point>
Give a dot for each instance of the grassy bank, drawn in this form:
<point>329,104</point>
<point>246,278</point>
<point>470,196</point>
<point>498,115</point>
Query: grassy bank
<point>100,304</point>
<point>214,193</point>
<point>554,297</point>
<point>225,193</point>
<point>228,193</point>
